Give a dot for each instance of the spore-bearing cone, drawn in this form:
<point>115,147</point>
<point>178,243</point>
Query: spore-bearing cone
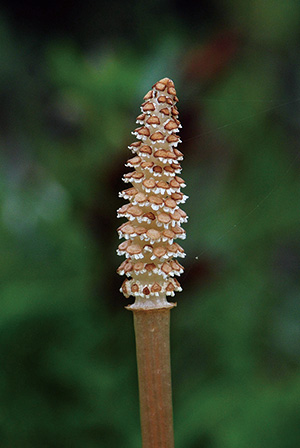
<point>153,213</point>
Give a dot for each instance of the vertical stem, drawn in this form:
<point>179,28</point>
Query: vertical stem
<point>152,333</point>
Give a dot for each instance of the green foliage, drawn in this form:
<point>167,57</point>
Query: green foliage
<point>68,373</point>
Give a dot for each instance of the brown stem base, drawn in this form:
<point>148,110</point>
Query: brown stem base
<point>152,332</point>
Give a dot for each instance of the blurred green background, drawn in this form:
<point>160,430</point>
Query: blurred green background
<point>72,78</point>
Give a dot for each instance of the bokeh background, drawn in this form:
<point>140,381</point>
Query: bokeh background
<point>72,78</point>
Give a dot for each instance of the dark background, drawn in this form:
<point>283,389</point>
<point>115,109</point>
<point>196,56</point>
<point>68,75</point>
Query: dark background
<point>72,78</point>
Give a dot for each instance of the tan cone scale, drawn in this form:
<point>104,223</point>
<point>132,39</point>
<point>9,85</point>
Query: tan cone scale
<point>153,215</point>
